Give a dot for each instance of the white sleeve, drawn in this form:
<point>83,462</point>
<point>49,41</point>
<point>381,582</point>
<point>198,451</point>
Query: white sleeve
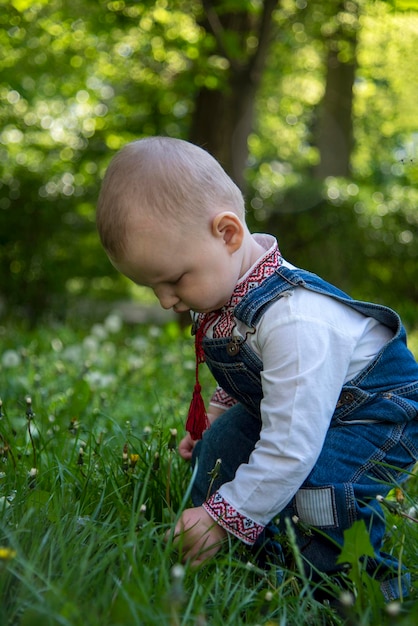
<point>306,354</point>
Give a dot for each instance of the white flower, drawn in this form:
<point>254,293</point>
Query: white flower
<point>135,362</point>
<point>97,380</point>
<point>139,343</point>
<point>91,344</point>
<point>113,323</point>
<point>4,503</point>
<point>10,358</point>
<point>72,354</point>
<point>177,572</point>
<point>57,344</point>
<point>99,331</point>
<point>393,608</point>
<point>413,512</point>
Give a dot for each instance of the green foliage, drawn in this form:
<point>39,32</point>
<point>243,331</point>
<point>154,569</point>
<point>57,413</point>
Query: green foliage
<point>368,234</point>
<point>357,546</point>
<point>91,481</point>
<point>360,232</point>
<point>81,78</point>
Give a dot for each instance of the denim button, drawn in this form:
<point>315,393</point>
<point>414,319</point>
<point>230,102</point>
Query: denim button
<point>345,398</point>
<point>233,346</point>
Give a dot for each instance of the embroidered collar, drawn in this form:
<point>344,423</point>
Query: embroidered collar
<point>265,266</point>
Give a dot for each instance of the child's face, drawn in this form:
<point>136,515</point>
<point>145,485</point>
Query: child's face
<point>196,271</point>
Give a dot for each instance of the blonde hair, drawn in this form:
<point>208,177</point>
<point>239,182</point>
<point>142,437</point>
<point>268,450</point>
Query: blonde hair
<point>161,177</point>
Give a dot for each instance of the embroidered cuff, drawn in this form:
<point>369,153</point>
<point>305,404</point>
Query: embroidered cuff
<point>222,399</point>
<point>231,520</point>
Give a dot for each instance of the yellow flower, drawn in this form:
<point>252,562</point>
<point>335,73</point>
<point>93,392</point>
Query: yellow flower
<point>6,554</point>
<point>133,460</point>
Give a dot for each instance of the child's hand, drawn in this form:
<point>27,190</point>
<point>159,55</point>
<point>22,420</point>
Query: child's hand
<point>186,446</point>
<point>199,536</point>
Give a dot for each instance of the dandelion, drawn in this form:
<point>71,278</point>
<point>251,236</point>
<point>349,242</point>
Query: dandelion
<point>133,460</point>
<point>147,432</point>
<point>172,444</point>
<point>97,380</point>
<point>4,503</point>
<point>395,508</point>
<point>32,474</point>
<point>99,331</point>
<point>125,462</point>
<point>177,595</point>
<point>72,353</point>
<point>7,554</point>
<point>156,463</point>
<point>393,609</point>
<point>80,460</point>
<point>10,358</point>
<point>56,344</point>
<point>90,344</point>
<point>413,512</point>
<point>74,426</point>
<point>113,323</point>
<point>347,599</point>
<point>139,344</point>
<point>29,416</point>
<point>302,526</point>
<point>135,362</point>
<point>29,411</point>
<point>141,517</point>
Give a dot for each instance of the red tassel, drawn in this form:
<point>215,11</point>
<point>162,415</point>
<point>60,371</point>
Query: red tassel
<point>197,420</point>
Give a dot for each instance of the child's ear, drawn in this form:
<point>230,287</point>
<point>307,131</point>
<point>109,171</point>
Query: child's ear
<point>228,226</point>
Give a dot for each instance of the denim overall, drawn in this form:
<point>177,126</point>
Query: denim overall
<point>370,447</point>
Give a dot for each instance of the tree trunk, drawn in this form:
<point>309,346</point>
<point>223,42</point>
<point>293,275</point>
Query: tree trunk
<point>334,136</point>
<point>223,118</point>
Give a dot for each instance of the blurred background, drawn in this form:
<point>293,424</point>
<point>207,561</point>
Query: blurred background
<point>312,108</point>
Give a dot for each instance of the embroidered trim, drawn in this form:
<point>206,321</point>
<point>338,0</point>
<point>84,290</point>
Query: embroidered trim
<point>231,520</point>
<point>223,399</point>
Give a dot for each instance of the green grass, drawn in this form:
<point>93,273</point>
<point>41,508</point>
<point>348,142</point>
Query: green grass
<point>90,481</point>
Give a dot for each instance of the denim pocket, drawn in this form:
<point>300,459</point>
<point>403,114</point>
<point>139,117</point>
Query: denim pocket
<point>356,405</point>
<point>237,374</point>
<point>239,381</point>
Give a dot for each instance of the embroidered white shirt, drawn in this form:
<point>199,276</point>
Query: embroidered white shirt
<point>310,345</point>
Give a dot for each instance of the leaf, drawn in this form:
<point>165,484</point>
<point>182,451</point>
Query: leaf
<point>356,544</point>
